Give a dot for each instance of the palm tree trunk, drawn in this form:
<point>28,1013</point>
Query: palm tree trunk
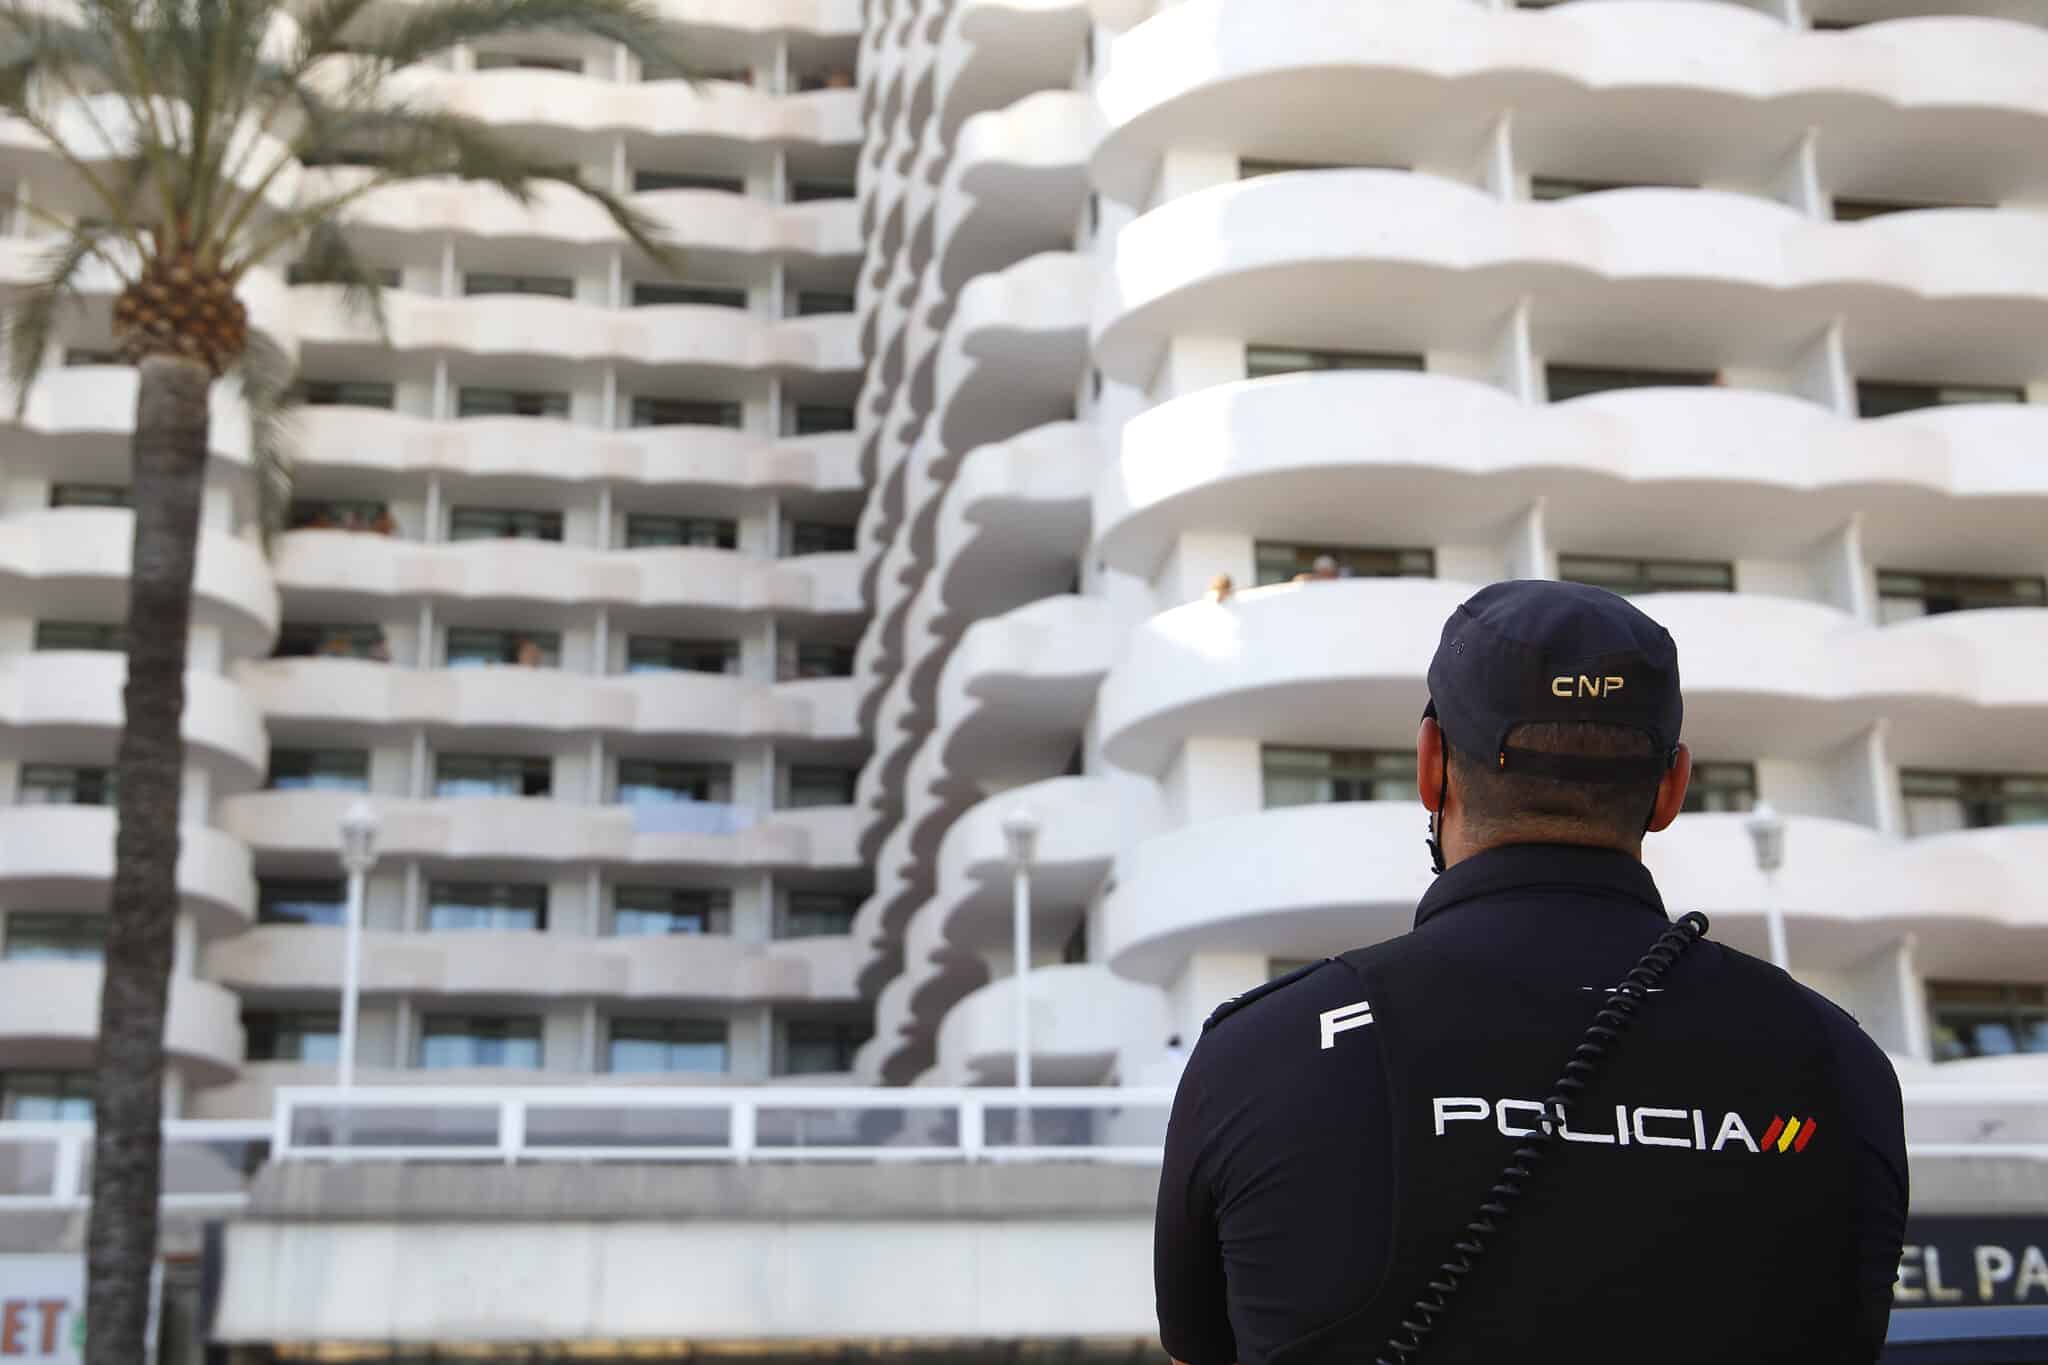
<point>168,481</point>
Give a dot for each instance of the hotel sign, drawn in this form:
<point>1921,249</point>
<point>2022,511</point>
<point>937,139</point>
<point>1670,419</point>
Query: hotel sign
<point>1973,1263</point>
<point>42,1310</point>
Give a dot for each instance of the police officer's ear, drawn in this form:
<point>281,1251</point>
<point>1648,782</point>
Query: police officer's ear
<point>1429,764</point>
<point>1671,791</point>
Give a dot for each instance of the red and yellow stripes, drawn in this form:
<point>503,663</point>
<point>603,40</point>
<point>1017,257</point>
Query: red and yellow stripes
<point>1789,1134</point>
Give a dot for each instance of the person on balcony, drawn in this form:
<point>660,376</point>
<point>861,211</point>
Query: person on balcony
<point>1386,1156</point>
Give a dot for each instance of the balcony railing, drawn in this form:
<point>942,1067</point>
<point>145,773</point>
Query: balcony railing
<point>208,1164</point>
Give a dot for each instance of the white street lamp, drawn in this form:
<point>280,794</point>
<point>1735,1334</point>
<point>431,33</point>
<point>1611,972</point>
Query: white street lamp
<point>358,856</point>
<point>1020,831</point>
<point>1767,832</point>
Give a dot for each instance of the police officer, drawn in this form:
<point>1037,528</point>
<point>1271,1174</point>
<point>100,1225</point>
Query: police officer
<point>1729,1186</point>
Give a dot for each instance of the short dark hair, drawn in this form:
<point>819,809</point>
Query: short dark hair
<point>1505,807</point>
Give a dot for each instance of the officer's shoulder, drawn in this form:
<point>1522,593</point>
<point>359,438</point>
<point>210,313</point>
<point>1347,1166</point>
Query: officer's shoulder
<point>1261,999</point>
<point>1842,1031</point>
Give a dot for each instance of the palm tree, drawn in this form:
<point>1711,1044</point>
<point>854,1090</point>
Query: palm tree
<point>184,124</point>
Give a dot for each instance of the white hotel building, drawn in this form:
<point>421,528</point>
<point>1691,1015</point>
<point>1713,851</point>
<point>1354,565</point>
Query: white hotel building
<point>904,509</point>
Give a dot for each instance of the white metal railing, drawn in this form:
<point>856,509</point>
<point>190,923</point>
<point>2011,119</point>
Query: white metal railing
<point>208,1163</point>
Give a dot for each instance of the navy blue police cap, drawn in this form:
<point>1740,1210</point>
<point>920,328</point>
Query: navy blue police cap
<point>1531,651</point>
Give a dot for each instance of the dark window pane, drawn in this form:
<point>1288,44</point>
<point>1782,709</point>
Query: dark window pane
<point>32,936</point>
<point>1721,787</point>
<point>1312,777</point>
<point>813,302</point>
<point>1630,576</point>
<point>646,654</point>
<point>701,295</point>
<point>817,538</point>
<point>459,775</point>
<point>504,907</point>
<point>1983,1019</point>
<point>642,781</point>
<point>817,914</point>
<point>301,902</point>
<point>1283,563</point>
<point>1882,398</point>
<point>810,190</point>
<point>341,514</point>
<point>453,1041</point>
<point>648,1046</point>
<point>1263,362</point>
<point>711,533</point>
<point>1564,382</point>
<point>326,393</point>
<point>293,1035</point>
<point>514,61</point>
<point>814,419</point>
<point>821,1046</point>
<point>332,770</point>
<point>473,648</point>
<point>547,286</point>
<point>300,641</point>
<point>683,412</point>
<point>86,635</point>
<point>498,523</point>
<point>46,1096</point>
<point>807,659</point>
<point>812,784</point>
<point>1903,595</point>
<point>658,911</point>
<point>89,495</point>
<point>56,784</point>
<point>646,182</point>
<point>1939,802</point>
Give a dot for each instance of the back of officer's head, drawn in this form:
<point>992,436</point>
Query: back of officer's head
<point>1560,711</point>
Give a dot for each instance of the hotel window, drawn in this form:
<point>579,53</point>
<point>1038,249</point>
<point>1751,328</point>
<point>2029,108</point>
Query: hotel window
<point>331,393</point>
<point>1566,382</point>
<point>651,654</point>
<point>1883,398</point>
<point>1938,802</point>
<point>1550,188</point>
<point>1631,576</point>
<point>545,286</point>
<point>46,1096</point>
<point>292,1035</point>
<point>813,1047</point>
<point>473,648</point>
<point>662,911</point>
<point>1973,1019</point>
<point>503,523</point>
<point>76,356</point>
<point>1905,596</point>
<point>341,514</point>
<point>34,936</point>
<point>301,272</point>
<point>815,538</point>
<point>474,402</point>
<point>1316,777</point>
<point>89,495</point>
<point>1721,788</point>
<point>326,770</point>
<point>649,182</point>
<point>320,901</point>
<point>493,907</point>
<point>464,775</point>
<point>1274,562</point>
<point>814,784</point>
<point>817,914</point>
<point>706,533</point>
<point>699,295</point>
<point>1251,168</point>
<point>800,659</point>
<point>453,1041</point>
<point>519,61</point>
<point>829,78</point>
<point>93,636</point>
<point>640,1047</point>
<point>1263,362</point>
<point>303,641</point>
<point>61,784</point>
<point>684,412</point>
<point>642,781</point>
<point>1862,210</point>
<point>808,303</point>
<point>811,189</point>
<point>815,419</point>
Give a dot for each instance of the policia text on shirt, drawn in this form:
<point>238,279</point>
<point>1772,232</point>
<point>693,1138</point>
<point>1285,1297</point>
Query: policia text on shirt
<point>1728,1183</point>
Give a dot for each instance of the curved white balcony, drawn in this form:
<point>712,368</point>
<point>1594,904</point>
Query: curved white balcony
<point>567,332</point>
<point>994,52</point>
<point>86,413</point>
<point>1082,1017</point>
<point>1700,80</point>
<point>60,699</point>
<point>714,110</point>
<point>541,450</point>
<point>1015,349</point>
<point>537,965</point>
<point>24,262</point>
<point>77,557</point>
<point>693,220</point>
<point>50,1016</point>
<point>62,854</point>
<point>543,831</point>
<point>1017,691</point>
<point>1016,183</point>
<point>1299,663</point>
<point>1358,455</point>
<point>1014,520</point>
<point>99,130</point>
<point>1741,277</point>
<point>363,564</point>
<point>352,692</point>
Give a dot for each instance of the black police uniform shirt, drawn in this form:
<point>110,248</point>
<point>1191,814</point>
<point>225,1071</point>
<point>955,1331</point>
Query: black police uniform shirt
<point>1732,1188</point>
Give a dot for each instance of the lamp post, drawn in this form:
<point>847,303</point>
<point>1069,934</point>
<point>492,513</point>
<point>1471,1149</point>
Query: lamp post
<point>1767,832</point>
<point>1020,831</point>
<point>358,856</point>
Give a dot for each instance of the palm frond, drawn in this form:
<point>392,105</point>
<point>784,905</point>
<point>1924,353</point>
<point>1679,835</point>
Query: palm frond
<point>271,395</point>
<point>428,30</point>
<point>40,51</point>
<point>33,321</point>
<point>324,28</point>
<point>331,259</point>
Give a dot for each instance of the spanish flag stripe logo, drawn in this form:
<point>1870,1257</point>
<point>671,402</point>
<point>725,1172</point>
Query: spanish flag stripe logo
<point>1805,1136</point>
<point>1771,1133</point>
<point>1791,1131</point>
